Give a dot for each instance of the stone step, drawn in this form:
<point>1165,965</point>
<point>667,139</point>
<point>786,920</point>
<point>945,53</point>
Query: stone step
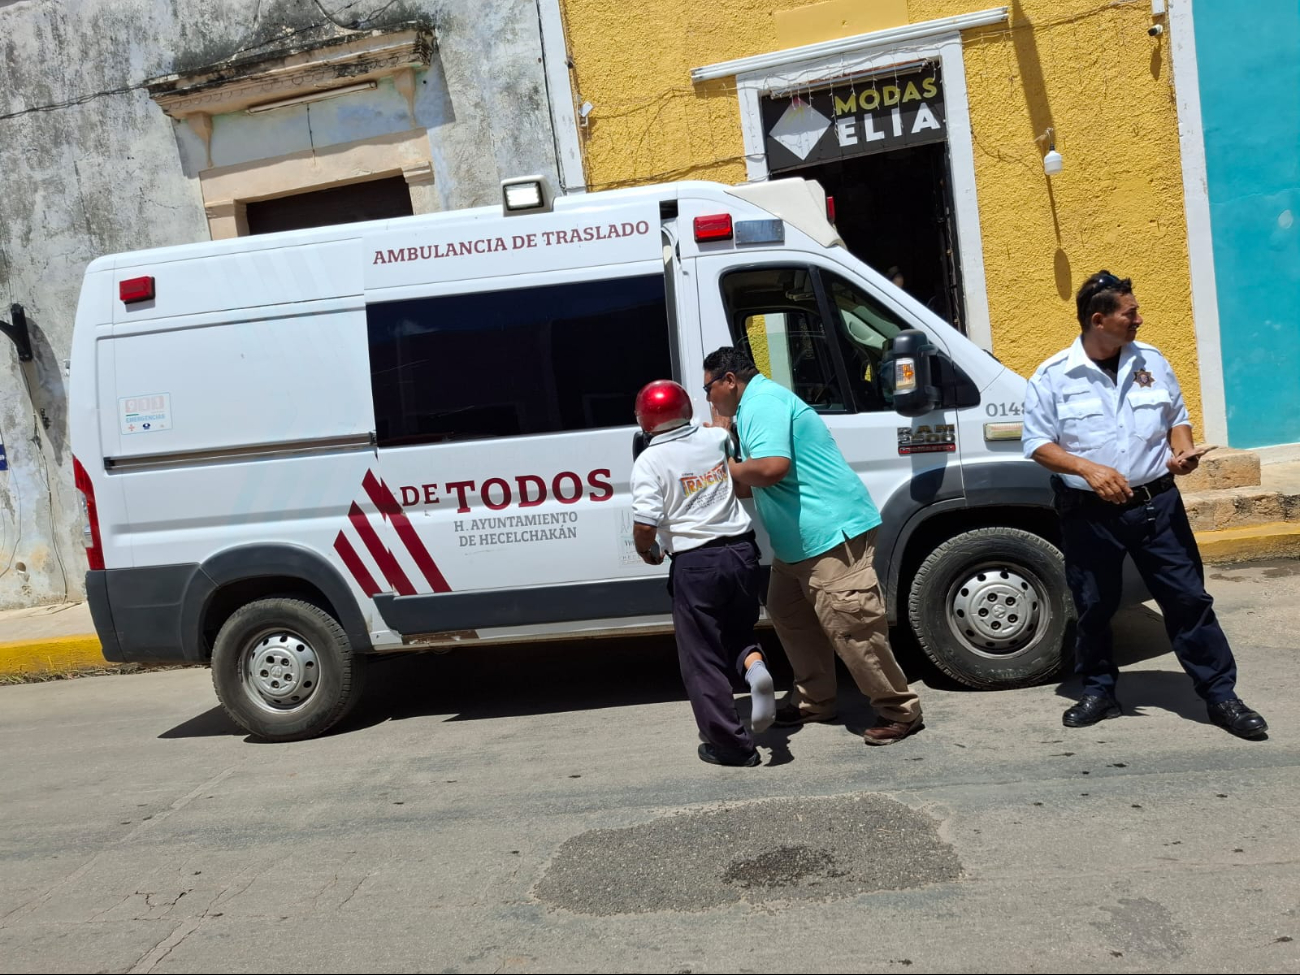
<point>1284,477</point>
<point>1224,468</point>
<point>1240,507</point>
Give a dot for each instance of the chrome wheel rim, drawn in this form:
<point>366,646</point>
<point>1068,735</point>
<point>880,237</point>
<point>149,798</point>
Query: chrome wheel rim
<point>997,609</point>
<point>279,670</point>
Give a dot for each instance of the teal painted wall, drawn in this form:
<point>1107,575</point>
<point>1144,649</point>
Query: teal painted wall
<point>1248,56</point>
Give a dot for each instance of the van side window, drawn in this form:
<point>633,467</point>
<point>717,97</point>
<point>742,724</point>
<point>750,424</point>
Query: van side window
<point>865,328</point>
<point>774,315</point>
<point>513,363</point>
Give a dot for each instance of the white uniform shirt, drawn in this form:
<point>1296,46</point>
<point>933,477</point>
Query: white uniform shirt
<point>681,486</point>
<point>1123,424</point>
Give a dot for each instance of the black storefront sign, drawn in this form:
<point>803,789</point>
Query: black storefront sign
<point>853,118</point>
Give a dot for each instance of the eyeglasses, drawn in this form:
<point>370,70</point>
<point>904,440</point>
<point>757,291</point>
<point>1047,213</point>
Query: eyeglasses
<point>709,385</point>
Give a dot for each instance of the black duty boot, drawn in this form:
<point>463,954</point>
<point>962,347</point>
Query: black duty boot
<point>1090,709</point>
<point>1235,716</point>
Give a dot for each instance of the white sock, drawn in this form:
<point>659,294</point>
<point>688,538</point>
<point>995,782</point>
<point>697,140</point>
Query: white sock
<point>762,696</point>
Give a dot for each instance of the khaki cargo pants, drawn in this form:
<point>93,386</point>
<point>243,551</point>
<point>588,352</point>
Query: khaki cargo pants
<point>829,604</point>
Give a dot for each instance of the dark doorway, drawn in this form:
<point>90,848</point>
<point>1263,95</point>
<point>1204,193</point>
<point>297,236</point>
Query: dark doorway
<point>376,199</point>
<point>894,210</point>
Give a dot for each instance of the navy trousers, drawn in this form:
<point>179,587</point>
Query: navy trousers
<point>1160,540</point>
<point>715,606</point>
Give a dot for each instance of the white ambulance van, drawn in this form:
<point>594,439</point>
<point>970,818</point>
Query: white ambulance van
<point>299,450</point>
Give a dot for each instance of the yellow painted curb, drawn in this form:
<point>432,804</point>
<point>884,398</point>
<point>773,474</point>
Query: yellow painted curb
<point>50,655</point>
<point>1275,540</point>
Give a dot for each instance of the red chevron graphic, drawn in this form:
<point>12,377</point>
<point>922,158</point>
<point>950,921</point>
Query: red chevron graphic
<point>391,511</point>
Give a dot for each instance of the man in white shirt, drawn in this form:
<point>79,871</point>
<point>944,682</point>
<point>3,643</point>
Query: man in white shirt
<point>1107,417</point>
<point>683,503</point>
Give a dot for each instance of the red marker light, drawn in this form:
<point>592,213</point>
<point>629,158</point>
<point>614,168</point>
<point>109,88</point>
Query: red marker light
<point>135,289</point>
<point>714,227</point>
<point>830,209</point>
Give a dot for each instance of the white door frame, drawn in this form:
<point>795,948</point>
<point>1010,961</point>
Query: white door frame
<point>559,90</point>
<point>815,64</point>
<point>1196,207</point>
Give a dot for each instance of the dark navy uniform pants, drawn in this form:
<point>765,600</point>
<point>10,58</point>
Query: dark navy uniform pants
<point>715,592</point>
<point>1158,537</point>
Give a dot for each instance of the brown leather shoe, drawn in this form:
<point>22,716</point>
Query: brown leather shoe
<point>887,732</point>
<point>789,716</point>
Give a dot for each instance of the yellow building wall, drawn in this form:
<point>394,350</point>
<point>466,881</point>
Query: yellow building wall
<point>1083,67</point>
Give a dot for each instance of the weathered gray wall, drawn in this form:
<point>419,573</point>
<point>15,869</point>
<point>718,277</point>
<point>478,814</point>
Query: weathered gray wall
<point>89,165</point>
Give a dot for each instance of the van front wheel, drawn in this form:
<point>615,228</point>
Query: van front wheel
<point>284,669</point>
<point>991,608</point>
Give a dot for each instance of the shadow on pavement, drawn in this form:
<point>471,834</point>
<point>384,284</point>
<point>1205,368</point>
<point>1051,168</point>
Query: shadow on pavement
<point>1168,690</point>
<point>482,683</point>
<point>473,684</point>
<point>479,683</point>
<point>210,724</point>
<point>1140,636</point>
<point>549,678</point>
<point>476,684</point>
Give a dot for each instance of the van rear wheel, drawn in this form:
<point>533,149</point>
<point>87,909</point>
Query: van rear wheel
<point>284,669</point>
<point>991,608</point>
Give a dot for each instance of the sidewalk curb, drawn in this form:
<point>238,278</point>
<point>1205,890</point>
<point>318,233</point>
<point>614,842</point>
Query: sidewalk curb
<point>1253,543</point>
<point>51,655</point>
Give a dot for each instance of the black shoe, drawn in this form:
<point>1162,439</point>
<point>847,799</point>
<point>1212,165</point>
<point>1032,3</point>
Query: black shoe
<point>789,716</point>
<point>1090,709</point>
<point>1235,716</point>
<point>711,755</point>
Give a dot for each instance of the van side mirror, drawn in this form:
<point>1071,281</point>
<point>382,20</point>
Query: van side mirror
<point>906,374</point>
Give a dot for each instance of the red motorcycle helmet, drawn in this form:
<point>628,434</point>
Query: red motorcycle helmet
<point>661,406</point>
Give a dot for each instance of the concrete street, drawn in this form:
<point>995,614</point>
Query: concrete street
<point>541,809</point>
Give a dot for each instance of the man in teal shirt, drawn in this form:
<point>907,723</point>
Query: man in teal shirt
<point>823,598</point>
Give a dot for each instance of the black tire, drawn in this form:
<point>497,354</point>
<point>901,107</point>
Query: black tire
<point>293,649</point>
<point>991,608</point>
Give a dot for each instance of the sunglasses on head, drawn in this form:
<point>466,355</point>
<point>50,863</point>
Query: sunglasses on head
<point>1104,282</point>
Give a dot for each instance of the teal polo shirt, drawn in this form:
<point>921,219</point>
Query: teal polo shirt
<point>821,502</point>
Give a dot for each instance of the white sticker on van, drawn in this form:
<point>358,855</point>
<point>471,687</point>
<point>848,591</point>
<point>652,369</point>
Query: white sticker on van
<point>149,413</point>
<point>626,539</point>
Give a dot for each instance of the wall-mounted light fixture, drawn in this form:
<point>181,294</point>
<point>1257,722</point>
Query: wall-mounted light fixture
<point>311,96</point>
<point>1158,9</point>
<point>1053,163</point>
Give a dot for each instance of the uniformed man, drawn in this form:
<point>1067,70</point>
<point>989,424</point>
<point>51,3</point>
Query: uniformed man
<point>1107,417</point>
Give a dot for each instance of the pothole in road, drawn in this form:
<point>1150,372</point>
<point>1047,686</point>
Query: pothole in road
<point>816,848</point>
<point>782,867</point>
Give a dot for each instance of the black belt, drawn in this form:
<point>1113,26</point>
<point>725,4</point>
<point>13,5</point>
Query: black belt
<point>1142,494</point>
<point>726,540</point>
